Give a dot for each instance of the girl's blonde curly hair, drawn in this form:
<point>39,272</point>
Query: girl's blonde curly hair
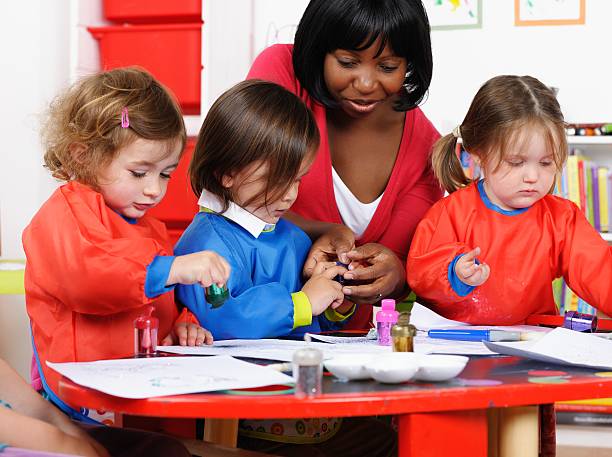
<point>83,132</point>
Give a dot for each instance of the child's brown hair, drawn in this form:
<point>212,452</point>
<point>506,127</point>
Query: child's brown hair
<point>253,121</point>
<point>83,130</point>
<point>501,108</point>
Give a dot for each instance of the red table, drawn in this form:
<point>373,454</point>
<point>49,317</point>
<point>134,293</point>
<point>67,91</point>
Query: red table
<point>449,418</point>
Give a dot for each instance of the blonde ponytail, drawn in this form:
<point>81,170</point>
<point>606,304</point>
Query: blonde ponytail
<point>446,165</point>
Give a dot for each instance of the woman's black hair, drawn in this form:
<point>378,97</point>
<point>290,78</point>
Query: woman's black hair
<point>328,25</point>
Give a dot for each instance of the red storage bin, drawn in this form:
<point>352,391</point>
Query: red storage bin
<point>171,52</point>
<point>180,204</point>
<point>148,11</point>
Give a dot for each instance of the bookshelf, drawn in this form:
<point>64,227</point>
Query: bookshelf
<point>598,145</point>
<point>598,149</point>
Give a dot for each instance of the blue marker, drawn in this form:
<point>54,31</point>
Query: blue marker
<point>475,335</point>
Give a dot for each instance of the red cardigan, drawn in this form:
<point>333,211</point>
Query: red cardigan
<point>411,190</point>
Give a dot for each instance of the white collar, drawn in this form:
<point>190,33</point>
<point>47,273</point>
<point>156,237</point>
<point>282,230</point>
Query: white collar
<point>248,221</point>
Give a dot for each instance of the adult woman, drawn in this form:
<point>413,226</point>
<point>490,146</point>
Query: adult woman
<point>362,66</point>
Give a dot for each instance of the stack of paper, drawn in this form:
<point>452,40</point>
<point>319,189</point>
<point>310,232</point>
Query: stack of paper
<point>159,376</point>
<point>562,346</point>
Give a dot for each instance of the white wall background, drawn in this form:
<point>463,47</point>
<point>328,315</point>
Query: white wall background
<point>34,40</point>
<point>43,45</point>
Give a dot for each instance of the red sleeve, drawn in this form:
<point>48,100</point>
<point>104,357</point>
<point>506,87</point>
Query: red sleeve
<point>275,64</point>
<point>434,246</point>
<point>86,256</point>
<point>409,209</point>
<point>586,262</point>
<point>418,189</point>
<point>187,317</point>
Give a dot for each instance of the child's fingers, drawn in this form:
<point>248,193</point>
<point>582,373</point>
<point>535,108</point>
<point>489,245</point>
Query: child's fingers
<point>337,304</point>
<point>486,271</point>
<point>208,337</point>
<point>465,271</point>
<point>206,279</point>
<point>333,271</point>
<point>225,268</point>
<point>339,298</point>
<point>322,266</point>
<point>192,334</point>
<point>180,331</point>
<point>218,277</point>
<point>313,261</point>
<point>168,340</point>
<point>471,256</point>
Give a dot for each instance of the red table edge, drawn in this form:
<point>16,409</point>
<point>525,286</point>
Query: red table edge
<point>223,406</point>
<point>557,321</point>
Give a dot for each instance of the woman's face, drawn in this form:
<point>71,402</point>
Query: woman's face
<point>360,81</point>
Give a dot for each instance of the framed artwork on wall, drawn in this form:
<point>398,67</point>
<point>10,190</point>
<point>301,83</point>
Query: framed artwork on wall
<point>454,14</point>
<point>549,12</point>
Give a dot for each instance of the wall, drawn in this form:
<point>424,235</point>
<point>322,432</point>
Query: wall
<point>568,57</point>
<point>34,64</point>
<point>571,58</point>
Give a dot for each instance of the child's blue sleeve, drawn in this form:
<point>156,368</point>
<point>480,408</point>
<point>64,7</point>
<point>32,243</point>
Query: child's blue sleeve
<point>462,289</point>
<point>331,320</point>
<point>157,276</point>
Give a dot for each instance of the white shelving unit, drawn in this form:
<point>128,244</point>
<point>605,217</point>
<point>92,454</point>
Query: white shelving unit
<point>598,149</point>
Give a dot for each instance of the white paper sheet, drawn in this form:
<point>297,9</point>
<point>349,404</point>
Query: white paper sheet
<point>343,339</point>
<point>425,319</point>
<point>562,346</point>
<point>159,376</point>
<point>272,349</point>
<point>283,349</point>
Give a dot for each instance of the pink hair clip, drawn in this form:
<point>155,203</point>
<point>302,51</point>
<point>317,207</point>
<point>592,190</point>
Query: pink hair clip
<point>125,119</point>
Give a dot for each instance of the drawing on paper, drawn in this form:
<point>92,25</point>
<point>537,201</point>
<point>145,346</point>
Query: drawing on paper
<point>454,14</point>
<point>549,12</point>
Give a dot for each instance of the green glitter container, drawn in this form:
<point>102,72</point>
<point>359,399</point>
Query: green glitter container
<point>216,295</point>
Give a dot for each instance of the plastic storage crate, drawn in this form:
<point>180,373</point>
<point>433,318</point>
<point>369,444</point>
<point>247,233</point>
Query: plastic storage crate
<point>171,52</point>
<point>152,11</point>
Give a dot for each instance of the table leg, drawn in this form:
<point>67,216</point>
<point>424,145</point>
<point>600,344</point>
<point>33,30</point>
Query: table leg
<point>221,431</point>
<point>493,425</point>
<point>519,431</point>
<point>453,433</point>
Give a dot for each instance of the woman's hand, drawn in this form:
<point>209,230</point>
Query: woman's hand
<point>188,334</point>
<point>378,272</point>
<point>333,245</point>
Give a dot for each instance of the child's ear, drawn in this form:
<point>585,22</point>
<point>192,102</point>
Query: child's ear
<point>78,151</point>
<point>475,159</point>
<point>227,181</point>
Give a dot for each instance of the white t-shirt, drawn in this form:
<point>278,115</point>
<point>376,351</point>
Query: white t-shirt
<point>355,214</point>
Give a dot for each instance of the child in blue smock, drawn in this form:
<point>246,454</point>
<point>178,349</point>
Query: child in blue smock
<point>256,143</point>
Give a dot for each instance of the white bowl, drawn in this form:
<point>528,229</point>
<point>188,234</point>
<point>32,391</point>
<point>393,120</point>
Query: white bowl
<point>394,367</point>
<point>349,367</point>
<point>438,367</point>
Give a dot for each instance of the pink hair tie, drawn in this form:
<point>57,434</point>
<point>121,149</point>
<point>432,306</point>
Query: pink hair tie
<point>125,119</point>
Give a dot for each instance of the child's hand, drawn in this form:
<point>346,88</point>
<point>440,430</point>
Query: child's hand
<point>321,289</point>
<point>204,268</point>
<point>187,334</point>
<point>333,244</point>
<point>469,272</point>
<point>344,307</point>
